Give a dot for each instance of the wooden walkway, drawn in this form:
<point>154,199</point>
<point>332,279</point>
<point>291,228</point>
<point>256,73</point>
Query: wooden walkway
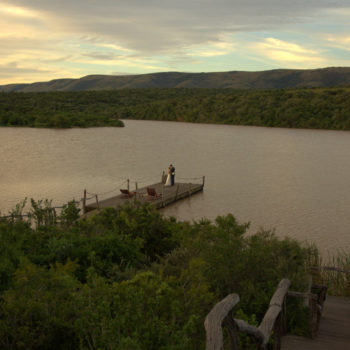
<point>334,329</point>
<point>170,194</point>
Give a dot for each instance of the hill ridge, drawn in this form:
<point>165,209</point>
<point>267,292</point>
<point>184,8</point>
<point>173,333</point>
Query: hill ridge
<point>269,79</point>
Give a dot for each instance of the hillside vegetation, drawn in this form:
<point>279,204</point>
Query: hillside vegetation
<point>55,110</point>
<point>133,279</point>
<point>326,108</point>
<point>271,79</point>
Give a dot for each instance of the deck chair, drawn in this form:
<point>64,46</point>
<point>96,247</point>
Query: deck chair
<point>126,193</point>
<point>152,194</point>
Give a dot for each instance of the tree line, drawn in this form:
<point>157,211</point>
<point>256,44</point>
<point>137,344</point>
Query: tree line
<point>317,108</point>
<point>133,279</point>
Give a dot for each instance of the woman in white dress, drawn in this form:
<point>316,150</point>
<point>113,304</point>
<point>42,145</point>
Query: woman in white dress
<point>168,179</point>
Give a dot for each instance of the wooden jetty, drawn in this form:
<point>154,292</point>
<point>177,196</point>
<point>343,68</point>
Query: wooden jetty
<point>329,321</point>
<point>165,195</point>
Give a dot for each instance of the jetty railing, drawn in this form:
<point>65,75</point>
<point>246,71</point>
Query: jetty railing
<point>273,324</point>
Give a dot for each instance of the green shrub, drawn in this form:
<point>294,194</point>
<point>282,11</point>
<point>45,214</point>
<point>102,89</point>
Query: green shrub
<point>133,279</point>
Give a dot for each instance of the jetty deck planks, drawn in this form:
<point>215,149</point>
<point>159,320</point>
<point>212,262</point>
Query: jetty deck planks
<point>168,195</point>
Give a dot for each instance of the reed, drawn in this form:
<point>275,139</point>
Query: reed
<point>334,271</point>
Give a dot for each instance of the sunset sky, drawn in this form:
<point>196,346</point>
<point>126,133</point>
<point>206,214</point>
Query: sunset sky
<point>41,40</point>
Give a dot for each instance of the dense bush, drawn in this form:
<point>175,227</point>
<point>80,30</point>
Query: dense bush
<point>319,108</point>
<point>55,110</point>
<point>133,279</point>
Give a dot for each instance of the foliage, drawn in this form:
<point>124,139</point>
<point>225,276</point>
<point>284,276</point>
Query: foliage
<point>69,214</point>
<point>55,110</point>
<point>316,108</point>
<point>42,213</point>
<point>16,214</point>
<point>133,279</point>
<point>36,313</point>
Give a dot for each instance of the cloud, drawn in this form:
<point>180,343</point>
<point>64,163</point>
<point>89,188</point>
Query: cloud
<point>339,41</point>
<point>163,25</point>
<point>286,52</point>
<point>17,11</point>
<point>215,48</point>
<point>16,72</point>
<point>102,36</point>
<point>283,46</point>
<point>114,47</point>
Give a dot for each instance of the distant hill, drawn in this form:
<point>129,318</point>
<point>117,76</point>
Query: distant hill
<point>272,79</point>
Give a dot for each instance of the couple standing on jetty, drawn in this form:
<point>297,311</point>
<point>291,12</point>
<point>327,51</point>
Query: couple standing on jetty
<point>170,180</point>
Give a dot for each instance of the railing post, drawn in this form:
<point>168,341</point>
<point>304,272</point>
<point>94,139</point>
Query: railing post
<point>163,195</point>
<point>84,202</point>
<point>313,318</point>
<point>309,287</point>
<point>98,204</point>
<point>135,194</point>
<point>284,316</point>
<point>177,191</point>
<point>128,184</point>
<point>203,180</point>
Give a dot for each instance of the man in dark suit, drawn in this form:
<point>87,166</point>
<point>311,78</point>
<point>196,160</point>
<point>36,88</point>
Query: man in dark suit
<point>172,174</point>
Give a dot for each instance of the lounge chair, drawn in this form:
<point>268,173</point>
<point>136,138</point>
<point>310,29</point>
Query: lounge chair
<point>126,193</point>
<point>152,194</point>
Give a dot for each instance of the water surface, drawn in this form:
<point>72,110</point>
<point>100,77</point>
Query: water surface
<point>296,181</point>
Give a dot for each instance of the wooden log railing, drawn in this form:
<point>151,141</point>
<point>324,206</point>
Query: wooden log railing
<point>214,320</point>
<point>329,268</point>
<point>274,321</point>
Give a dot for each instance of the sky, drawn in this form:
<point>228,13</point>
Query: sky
<point>41,40</point>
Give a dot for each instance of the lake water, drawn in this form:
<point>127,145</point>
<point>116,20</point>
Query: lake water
<point>296,181</point>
